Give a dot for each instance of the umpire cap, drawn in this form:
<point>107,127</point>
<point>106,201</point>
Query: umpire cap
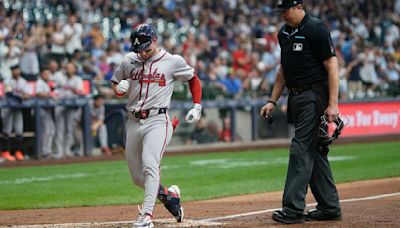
<point>142,37</point>
<point>286,4</point>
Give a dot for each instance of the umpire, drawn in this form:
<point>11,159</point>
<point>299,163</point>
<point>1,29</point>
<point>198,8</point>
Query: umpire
<point>309,69</point>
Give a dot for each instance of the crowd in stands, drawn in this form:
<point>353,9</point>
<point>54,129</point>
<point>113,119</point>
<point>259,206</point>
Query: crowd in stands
<point>231,43</point>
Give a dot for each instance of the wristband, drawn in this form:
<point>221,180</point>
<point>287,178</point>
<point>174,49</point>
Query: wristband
<point>119,94</point>
<point>271,101</point>
<point>197,106</point>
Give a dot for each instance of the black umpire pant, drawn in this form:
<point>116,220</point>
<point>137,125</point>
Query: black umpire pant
<point>306,165</point>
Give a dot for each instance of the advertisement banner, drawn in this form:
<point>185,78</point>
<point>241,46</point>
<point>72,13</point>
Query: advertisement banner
<point>375,118</point>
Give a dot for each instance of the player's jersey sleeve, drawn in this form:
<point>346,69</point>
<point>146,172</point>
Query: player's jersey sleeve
<point>123,70</point>
<point>118,74</point>
<point>182,71</point>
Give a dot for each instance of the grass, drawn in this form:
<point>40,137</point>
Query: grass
<point>202,176</point>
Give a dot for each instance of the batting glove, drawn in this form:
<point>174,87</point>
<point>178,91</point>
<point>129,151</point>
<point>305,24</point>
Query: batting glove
<point>194,114</point>
<point>123,86</point>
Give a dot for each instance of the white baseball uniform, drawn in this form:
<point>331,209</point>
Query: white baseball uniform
<point>151,86</point>
<point>98,113</point>
<point>65,117</point>
<point>47,121</point>
<point>13,117</point>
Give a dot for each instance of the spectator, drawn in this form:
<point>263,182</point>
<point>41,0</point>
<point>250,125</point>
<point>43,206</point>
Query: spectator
<point>203,132</point>
<point>57,41</point>
<point>97,41</point>
<point>225,135</point>
<point>232,84</point>
<point>73,34</point>
<point>354,79</point>
<point>10,55</point>
<point>269,63</point>
<point>255,85</point>
<point>30,67</point>
<point>241,59</point>
<point>343,75</point>
<point>393,78</point>
<point>114,55</point>
<point>97,36</point>
<point>213,131</point>
<point>368,73</point>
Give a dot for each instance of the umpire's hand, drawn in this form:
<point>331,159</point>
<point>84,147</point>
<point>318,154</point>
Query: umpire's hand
<point>332,112</point>
<point>267,109</point>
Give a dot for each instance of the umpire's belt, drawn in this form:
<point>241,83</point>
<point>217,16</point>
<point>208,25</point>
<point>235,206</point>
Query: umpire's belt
<point>299,89</point>
<point>144,114</point>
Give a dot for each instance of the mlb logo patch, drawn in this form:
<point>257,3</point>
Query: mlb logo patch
<point>297,47</point>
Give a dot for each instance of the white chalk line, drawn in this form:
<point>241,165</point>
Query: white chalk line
<point>308,205</point>
<point>164,222</point>
<point>189,222</point>
<point>29,180</point>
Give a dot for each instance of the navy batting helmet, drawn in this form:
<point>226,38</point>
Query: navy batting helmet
<point>142,37</point>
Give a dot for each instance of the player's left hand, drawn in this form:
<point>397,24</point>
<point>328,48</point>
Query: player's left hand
<point>194,114</point>
<point>332,112</point>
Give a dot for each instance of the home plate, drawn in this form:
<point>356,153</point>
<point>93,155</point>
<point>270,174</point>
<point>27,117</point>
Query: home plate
<point>185,223</point>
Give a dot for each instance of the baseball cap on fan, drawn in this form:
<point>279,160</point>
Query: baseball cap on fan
<point>142,37</point>
<point>282,5</point>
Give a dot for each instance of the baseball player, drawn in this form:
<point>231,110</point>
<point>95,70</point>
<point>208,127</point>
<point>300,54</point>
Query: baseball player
<point>65,116</point>
<point>16,88</point>
<point>98,126</point>
<point>147,76</point>
<point>43,90</point>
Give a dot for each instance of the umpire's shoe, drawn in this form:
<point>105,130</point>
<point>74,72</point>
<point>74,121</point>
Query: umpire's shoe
<point>323,215</point>
<point>287,218</point>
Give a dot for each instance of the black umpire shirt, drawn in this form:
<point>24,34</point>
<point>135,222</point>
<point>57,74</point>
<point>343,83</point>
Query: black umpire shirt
<point>303,50</point>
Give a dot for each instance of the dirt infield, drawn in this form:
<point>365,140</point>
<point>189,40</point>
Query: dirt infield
<point>373,203</point>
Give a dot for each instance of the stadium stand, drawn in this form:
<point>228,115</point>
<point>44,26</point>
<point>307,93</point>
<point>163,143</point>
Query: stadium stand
<point>224,40</point>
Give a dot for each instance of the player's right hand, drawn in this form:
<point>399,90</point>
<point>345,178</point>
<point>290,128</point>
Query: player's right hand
<point>123,86</point>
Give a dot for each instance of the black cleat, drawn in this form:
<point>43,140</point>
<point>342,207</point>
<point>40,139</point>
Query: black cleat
<point>181,215</point>
<point>320,215</point>
<point>177,213</point>
<point>283,217</point>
